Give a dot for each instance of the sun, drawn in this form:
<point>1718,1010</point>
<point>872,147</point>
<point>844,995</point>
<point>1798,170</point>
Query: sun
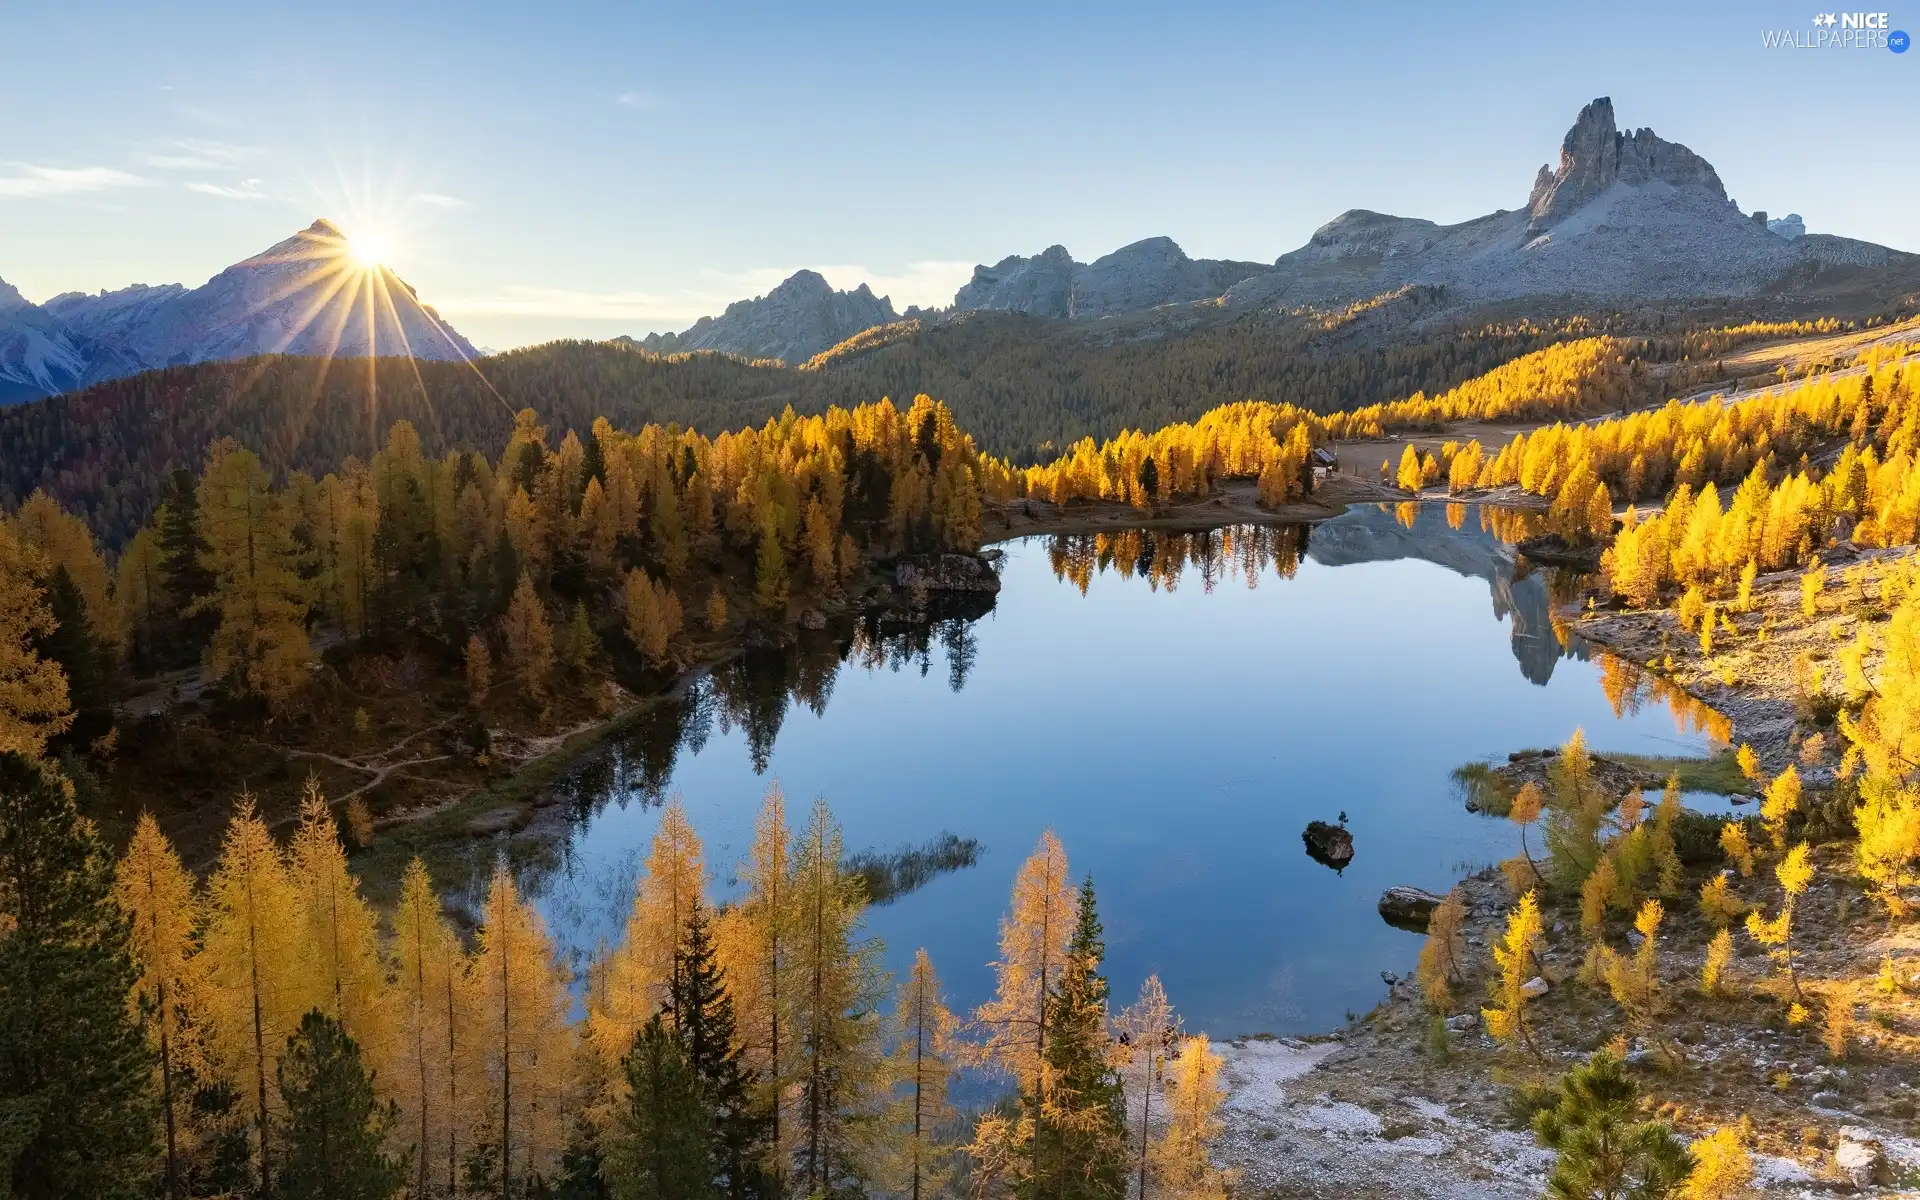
<point>368,249</point>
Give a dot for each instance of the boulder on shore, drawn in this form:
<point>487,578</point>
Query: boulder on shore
<point>1408,907</point>
<point>1330,845</point>
<point>946,573</point>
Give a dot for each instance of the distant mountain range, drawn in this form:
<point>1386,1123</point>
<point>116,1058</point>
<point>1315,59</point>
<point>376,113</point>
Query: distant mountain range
<point>305,295</point>
<point>1624,219</point>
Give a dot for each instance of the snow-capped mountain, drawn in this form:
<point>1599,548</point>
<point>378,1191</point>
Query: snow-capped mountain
<point>305,295</point>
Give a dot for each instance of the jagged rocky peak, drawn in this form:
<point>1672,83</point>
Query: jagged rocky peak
<point>1041,285</point>
<point>10,297</point>
<point>1595,155</point>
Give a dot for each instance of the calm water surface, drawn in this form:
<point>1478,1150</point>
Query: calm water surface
<point>1177,707</point>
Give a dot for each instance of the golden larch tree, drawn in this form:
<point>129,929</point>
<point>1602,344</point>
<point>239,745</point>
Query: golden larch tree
<point>522,1065</point>
<point>529,636</point>
<point>753,941</point>
<point>833,1012</point>
<point>33,690</point>
<point>923,1063</point>
<point>163,908</point>
<point>479,670</point>
<point>250,955</point>
<point>1517,956</point>
<point>434,1011</point>
<point>1795,872</point>
<point>1182,1161</point>
<point>345,971</point>
<point>633,982</point>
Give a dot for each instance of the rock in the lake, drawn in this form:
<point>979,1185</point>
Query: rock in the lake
<point>1550,549</point>
<point>946,573</point>
<point>1408,907</point>
<point>1330,845</point>
<point>812,618</point>
<point>1860,1157</point>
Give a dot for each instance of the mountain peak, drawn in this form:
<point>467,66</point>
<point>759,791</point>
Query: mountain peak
<point>322,227</point>
<point>1595,155</point>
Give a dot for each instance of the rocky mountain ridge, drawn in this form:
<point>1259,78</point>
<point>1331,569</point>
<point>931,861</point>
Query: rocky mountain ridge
<point>303,295</point>
<point>1624,218</point>
<point>792,323</point>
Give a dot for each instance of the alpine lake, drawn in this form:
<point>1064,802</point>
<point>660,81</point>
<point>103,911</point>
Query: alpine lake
<point>1177,706</point>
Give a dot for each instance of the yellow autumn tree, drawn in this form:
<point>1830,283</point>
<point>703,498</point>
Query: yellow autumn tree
<point>158,896</point>
<point>1777,806</point>
<point>1722,1167</point>
<point>339,946</point>
<point>753,941</point>
<point>654,617</point>
<point>1033,948</point>
<point>433,1013</point>
<point>522,1063</point>
<point>529,636</point>
<point>1517,956</point>
<point>1182,1161</point>
<point>923,1063</point>
<point>33,690</point>
<point>832,1009</point>
<point>633,982</point>
<point>250,956</point>
<point>1795,872</point>
<point>1013,1024</point>
<point>1438,968</point>
<point>479,670</point>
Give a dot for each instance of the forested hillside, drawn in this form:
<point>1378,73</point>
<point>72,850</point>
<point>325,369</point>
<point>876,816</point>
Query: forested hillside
<point>1026,388</point>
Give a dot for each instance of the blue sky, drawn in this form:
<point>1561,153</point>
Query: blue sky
<point>546,170</point>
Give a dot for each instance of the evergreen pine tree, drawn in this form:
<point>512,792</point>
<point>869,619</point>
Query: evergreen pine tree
<point>661,1148</point>
<point>1605,1149</point>
<point>87,659</point>
<point>701,1010</point>
<point>335,1127</point>
<point>186,575</point>
<point>1079,1144</point>
<point>76,1075</point>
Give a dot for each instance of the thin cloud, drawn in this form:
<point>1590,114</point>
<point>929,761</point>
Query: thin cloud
<point>530,301</point>
<point>202,154</point>
<point>438,200</point>
<point>25,180</point>
<point>642,101</point>
<point>248,190</point>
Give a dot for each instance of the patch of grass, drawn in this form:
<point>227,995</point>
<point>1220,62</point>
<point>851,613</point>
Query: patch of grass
<point>1719,774</point>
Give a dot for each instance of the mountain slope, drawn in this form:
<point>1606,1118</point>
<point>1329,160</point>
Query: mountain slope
<point>304,295</point>
<point>792,323</point>
<point>1145,274</point>
<point>1627,218</point>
